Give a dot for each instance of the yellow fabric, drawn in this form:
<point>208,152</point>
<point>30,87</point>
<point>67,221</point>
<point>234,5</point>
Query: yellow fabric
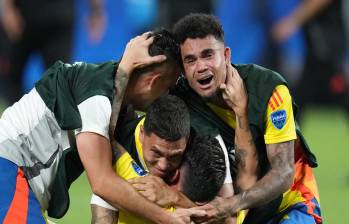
<point>228,116</point>
<point>139,144</point>
<point>280,100</point>
<point>241,216</point>
<point>125,168</point>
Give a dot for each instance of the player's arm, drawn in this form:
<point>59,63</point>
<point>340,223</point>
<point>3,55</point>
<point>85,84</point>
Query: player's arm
<point>94,147</point>
<point>279,137</point>
<point>102,215</point>
<point>95,154</point>
<point>234,94</point>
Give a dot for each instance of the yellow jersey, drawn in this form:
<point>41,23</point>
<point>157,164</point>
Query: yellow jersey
<point>279,120</point>
<point>127,168</point>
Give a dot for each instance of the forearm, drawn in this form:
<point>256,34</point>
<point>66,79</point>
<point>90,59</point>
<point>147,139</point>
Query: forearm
<point>121,82</point>
<point>278,179</point>
<point>101,215</point>
<point>125,196</point>
<point>246,154</point>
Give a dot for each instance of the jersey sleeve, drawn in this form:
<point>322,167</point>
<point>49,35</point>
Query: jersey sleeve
<point>279,119</point>
<point>95,115</point>
<point>227,179</point>
<point>96,200</point>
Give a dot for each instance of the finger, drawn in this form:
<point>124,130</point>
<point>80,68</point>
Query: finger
<point>138,180</point>
<point>229,74</point>
<point>141,187</point>
<point>154,60</point>
<point>236,77</point>
<point>223,86</point>
<point>149,41</point>
<point>197,213</point>
<point>147,34</point>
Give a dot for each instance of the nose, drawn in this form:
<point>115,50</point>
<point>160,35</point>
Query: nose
<point>163,164</point>
<point>201,66</point>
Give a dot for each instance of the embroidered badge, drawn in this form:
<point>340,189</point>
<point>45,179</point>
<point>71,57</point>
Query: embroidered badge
<point>278,118</point>
<point>138,169</point>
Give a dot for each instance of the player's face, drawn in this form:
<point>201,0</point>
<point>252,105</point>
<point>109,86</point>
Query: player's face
<point>204,62</point>
<point>162,157</point>
<point>157,85</point>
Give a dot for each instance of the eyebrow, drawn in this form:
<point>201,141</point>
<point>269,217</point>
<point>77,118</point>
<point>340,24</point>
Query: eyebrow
<point>202,53</point>
<point>207,51</point>
<point>189,56</point>
<point>175,153</point>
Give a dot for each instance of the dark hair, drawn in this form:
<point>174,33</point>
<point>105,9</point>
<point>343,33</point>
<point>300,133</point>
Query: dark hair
<point>164,44</point>
<point>198,25</point>
<point>205,169</point>
<point>168,117</point>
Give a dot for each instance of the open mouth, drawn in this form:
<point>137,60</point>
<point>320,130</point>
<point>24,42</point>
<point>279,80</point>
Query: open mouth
<point>205,80</point>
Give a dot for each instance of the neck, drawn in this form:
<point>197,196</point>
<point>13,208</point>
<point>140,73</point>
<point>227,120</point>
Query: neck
<point>218,100</point>
<point>128,95</point>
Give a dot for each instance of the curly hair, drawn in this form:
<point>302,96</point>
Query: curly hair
<point>198,25</point>
<point>204,169</point>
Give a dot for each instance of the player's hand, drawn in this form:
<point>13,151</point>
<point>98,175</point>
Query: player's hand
<point>154,189</point>
<point>136,53</point>
<point>185,216</point>
<point>233,91</point>
<point>219,210</point>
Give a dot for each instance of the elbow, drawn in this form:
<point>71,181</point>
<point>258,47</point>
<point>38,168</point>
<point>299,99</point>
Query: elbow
<point>97,186</point>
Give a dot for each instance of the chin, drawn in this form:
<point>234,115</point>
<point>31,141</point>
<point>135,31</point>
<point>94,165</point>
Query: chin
<point>208,95</point>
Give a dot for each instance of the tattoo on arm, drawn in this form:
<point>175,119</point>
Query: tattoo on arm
<point>278,179</point>
<point>102,215</point>
<point>121,81</point>
<point>246,155</point>
<point>240,157</point>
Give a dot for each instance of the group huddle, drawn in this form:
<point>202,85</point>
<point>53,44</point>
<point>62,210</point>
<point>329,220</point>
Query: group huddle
<point>218,142</point>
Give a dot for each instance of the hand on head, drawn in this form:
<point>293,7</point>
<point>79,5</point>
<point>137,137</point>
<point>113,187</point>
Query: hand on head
<point>136,54</point>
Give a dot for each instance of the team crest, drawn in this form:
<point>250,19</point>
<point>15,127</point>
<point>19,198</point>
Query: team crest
<point>138,169</point>
<point>278,118</point>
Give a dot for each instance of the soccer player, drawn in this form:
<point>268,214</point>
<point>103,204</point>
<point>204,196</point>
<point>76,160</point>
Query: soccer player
<point>159,147</point>
<point>34,135</point>
<point>285,160</point>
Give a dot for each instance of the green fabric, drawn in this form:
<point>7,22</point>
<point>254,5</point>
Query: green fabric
<point>64,86</point>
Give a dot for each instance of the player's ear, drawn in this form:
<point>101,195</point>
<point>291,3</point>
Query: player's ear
<point>154,79</point>
<point>151,79</point>
<point>227,55</point>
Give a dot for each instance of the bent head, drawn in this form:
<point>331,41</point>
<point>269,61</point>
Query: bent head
<point>203,53</point>
<point>164,135</point>
<point>203,169</point>
<point>149,83</point>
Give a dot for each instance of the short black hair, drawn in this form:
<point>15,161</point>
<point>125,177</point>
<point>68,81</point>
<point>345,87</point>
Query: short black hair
<point>205,169</point>
<point>168,117</point>
<point>164,44</point>
<point>198,25</point>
